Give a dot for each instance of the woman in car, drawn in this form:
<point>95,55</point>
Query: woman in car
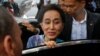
<point>51,19</point>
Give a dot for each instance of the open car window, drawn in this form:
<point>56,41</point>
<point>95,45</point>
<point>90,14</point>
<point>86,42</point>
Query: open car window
<point>28,12</point>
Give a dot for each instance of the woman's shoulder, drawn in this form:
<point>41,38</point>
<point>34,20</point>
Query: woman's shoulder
<point>59,40</point>
<point>36,37</point>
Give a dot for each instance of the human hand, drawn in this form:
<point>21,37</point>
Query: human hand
<point>29,26</point>
<point>50,44</point>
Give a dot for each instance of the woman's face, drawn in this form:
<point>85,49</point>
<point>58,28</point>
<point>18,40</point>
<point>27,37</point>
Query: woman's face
<point>51,24</point>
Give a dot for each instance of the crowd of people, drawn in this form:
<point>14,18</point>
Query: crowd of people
<point>68,20</point>
<point>80,22</point>
<point>11,6</point>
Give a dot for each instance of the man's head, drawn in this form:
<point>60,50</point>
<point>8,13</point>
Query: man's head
<point>10,41</point>
<point>72,7</point>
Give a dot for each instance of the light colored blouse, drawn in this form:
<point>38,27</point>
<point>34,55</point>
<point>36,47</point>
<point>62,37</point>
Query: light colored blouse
<point>38,40</point>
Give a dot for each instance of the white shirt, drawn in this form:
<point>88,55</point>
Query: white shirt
<point>79,29</point>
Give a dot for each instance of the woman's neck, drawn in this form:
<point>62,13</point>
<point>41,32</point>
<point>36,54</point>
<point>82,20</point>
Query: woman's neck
<point>48,39</point>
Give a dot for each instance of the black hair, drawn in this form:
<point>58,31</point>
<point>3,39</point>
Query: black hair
<point>7,4</point>
<point>47,8</point>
